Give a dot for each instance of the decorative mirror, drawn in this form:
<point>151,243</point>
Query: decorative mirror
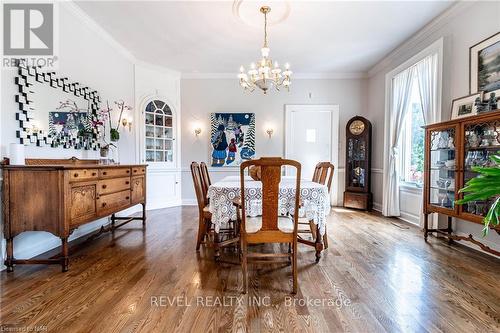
<point>54,111</point>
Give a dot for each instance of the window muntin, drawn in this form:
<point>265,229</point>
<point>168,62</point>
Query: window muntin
<point>158,132</point>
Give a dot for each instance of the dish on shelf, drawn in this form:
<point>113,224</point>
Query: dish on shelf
<point>449,163</point>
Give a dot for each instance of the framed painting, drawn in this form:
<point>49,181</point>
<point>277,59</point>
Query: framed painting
<point>465,106</point>
<point>232,138</point>
<point>484,71</point>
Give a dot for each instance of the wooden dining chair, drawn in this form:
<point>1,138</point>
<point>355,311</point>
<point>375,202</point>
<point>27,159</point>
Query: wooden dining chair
<point>225,236</point>
<point>323,174</point>
<point>205,217</point>
<point>270,227</point>
<point>206,182</point>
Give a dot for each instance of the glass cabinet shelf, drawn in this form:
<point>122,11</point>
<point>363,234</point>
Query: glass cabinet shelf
<point>159,132</point>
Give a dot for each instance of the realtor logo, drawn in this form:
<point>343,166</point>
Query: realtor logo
<point>28,29</point>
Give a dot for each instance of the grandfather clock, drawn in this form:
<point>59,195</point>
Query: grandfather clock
<point>358,164</point>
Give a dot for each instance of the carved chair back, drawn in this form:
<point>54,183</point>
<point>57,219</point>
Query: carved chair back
<point>323,174</point>
<point>270,178</point>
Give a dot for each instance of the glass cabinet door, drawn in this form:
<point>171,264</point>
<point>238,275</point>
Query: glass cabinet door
<point>481,140</point>
<point>442,159</point>
<point>356,163</point>
<point>159,132</point>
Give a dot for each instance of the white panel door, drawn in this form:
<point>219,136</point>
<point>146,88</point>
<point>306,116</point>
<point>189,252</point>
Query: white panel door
<point>312,137</point>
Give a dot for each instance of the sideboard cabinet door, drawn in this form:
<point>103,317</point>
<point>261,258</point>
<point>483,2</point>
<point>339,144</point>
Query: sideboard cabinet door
<point>83,203</point>
<point>138,189</point>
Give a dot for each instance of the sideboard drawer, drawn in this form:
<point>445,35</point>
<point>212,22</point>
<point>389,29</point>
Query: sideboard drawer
<point>114,172</point>
<point>83,174</point>
<point>113,185</point>
<point>113,201</point>
<point>136,171</point>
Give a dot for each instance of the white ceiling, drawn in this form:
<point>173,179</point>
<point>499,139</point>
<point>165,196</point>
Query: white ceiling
<point>315,37</point>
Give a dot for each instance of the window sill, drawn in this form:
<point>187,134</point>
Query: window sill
<point>410,188</point>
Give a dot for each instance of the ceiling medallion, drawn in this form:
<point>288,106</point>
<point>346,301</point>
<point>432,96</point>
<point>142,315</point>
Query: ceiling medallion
<point>265,74</point>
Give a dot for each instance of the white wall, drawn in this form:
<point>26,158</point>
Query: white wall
<point>200,97</point>
<point>462,26</point>
<point>86,56</point>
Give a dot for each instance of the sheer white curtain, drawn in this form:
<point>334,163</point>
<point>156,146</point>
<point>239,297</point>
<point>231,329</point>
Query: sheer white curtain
<point>426,71</point>
<point>401,93</point>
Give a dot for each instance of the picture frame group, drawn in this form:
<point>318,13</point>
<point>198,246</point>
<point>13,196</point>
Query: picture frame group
<point>484,79</point>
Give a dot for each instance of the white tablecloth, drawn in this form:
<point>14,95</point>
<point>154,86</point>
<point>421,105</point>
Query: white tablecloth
<point>315,199</point>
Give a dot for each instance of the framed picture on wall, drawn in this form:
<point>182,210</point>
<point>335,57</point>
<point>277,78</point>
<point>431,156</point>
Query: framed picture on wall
<point>484,70</point>
<point>465,106</point>
<point>232,138</point>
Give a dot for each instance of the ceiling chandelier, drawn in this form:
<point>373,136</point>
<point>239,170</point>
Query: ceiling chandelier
<point>265,74</point>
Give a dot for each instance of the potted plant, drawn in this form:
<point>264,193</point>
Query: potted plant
<point>484,187</point>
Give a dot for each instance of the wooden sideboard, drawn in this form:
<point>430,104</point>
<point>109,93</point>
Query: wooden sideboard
<point>58,196</point>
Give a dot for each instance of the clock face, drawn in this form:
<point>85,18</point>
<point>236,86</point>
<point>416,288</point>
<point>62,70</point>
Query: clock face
<point>357,127</point>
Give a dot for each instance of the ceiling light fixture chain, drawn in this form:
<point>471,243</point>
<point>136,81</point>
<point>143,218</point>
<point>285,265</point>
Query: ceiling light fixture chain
<point>265,74</point>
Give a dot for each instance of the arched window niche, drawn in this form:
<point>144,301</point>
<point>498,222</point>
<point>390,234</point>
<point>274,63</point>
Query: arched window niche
<point>159,132</point>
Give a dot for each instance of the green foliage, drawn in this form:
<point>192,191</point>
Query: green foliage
<point>484,187</point>
<point>114,134</point>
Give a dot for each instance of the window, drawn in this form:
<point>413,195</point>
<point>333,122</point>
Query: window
<point>159,132</point>
<point>411,142</point>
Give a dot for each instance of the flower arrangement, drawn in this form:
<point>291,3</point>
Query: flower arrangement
<point>104,116</point>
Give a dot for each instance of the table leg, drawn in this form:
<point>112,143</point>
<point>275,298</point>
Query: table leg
<point>216,246</point>
<point>318,244</point>
<point>426,226</point>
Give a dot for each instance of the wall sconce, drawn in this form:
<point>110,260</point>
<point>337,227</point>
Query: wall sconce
<point>270,132</point>
<point>197,131</point>
<point>127,122</point>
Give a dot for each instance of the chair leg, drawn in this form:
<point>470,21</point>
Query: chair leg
<point>312,226</point>
<point>201,232</point>
<point>294,267</point>
<point>325,240</point>
<point>244,269</point>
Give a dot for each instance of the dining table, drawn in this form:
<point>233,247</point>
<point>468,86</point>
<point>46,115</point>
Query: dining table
<point>314,198</point>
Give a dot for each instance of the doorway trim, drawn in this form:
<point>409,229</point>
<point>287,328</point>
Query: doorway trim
<point>334,109</point>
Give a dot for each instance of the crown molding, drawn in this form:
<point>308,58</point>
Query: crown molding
<point>94,26</point>
<point>295,76</point>
<point>421,35</point>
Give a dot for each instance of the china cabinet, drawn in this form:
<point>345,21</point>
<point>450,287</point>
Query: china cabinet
<point>452,148</point>
<point>358,164</point>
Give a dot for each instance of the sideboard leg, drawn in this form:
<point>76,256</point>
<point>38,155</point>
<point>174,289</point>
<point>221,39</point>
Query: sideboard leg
<point>426,226</point>
<point>113,222</point>
<point>449,230</point>
<point>143,214</point>
<point>64,254</point>
<point>10,255</point>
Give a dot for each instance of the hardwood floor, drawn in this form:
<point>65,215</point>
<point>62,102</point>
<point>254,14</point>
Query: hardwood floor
<point>378,275</point>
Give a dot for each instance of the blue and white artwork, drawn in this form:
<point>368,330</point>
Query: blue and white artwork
<point>69,124</point>
<point>232,138</point>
